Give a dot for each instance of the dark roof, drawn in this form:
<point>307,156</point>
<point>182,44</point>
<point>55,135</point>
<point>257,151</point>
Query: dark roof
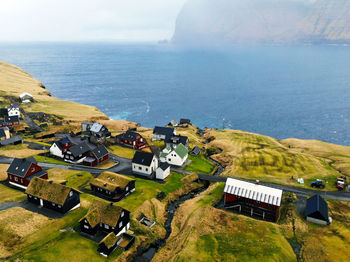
<point>177,140</point>
<point>59,144</point>
<point>11,119</point>
<point>37,174</point>
<point>317,207</point>
<point>164,166</point>
<point>196,150</point>
<point>80,149</point>
<point>100,151</point>
<point>11,141</point>
<point>185,121</point>
<point>12,107</point>
<point>129,135</point>
<point>142,158</point>
<point>167,131</point>
<point>19,167</point>
<point>47,190</point>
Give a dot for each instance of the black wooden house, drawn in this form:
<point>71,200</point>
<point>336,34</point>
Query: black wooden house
<point>53,196</point>
<point>111,186</point>
<point>105,217</point>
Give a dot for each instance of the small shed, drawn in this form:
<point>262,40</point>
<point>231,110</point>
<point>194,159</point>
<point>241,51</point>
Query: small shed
<point>195,151</point>
<point>26,98</point>
<point>173,123</point>
<point>108,244</point>
<point>185,121</point>
<point>163,171</point>
<point>16,140</point>
<point>317,210</point>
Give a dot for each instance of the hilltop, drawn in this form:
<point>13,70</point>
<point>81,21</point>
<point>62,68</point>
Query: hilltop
<point>263,21</point>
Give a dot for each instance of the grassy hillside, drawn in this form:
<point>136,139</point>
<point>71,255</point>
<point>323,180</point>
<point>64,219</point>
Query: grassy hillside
<point>201,232</point>
<point>254,156</point>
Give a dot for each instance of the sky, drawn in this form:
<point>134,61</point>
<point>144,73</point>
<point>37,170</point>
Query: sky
<point>88,20</point>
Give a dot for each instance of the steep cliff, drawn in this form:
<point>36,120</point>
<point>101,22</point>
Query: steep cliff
<point>262,21</point>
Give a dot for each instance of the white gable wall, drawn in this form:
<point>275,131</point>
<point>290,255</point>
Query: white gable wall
<point>55,151</point>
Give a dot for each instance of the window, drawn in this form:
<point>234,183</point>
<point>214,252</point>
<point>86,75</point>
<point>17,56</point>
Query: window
<point>16,178</point>
<point>146,169</point>
<point>33,169</point>
<point>127,188</point>
<point>10,177</point>
<point>53,204</point>
<point>122,214</point>
<point>85,226</point>
<point>35,198</point>
<point>106,227</point>
<point>71,157</point>
<point>134,166</point>
<point>30,196</point>
<point>121,224</point>
<point>169,159</point>
<point>71,193</point>
<point>140,168</point>
<point>59,206</point>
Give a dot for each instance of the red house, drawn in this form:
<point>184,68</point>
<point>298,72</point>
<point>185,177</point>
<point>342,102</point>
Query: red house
<point>22,171</point>
<point>253,199</point>
<point>96,156</point>
<point>131,139</point>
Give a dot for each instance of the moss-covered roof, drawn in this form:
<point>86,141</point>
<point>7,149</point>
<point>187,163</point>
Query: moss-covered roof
<point>47,190</point>
<point>103,212</point>
<point>110,240</point>
<point>111,181</point>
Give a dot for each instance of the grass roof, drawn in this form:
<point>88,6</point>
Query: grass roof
<point>110,240</point>
<point>111,181</point>
<point>47,190</point>
<point>103,212</point>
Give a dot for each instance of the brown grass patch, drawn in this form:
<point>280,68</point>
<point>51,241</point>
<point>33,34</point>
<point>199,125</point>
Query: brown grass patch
<point>3,169</point>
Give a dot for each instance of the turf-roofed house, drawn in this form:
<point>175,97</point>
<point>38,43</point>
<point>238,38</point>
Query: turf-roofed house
<point>253,199</point>
<point>53,196</point>
<point>106,217</point>
<point>111,241</point>
<point>23,170</point>
<point>113,187</point>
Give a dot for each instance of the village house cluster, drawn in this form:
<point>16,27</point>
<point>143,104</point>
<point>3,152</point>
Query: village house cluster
<point>113,221</point>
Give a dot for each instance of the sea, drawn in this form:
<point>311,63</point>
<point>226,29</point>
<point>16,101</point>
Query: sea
<point>279,91</point>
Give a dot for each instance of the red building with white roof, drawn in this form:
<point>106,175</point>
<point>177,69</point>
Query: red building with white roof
<point>253,199</point>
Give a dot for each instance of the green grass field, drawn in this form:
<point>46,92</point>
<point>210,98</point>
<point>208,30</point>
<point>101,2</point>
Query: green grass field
<point>69,246</point>
<point>146,190</point>
<point>45,159</point>
<point>75,179</point>
<point>199,164</point>
<point>122,151</point>
<point>8,194</point>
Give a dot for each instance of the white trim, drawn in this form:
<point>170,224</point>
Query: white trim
<point>77,206</point>
<point>17,185</point>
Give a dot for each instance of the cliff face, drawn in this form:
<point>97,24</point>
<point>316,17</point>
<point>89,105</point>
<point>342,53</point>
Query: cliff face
<point>262,21</point>
<point>327,20</point>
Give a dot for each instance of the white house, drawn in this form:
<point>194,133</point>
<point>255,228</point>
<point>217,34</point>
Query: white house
<point>144,163</point>
<point>26,98</point>
<point>174,156</point>
<point>13,110</point>
<point>163,171</point>
<point>56,149</point>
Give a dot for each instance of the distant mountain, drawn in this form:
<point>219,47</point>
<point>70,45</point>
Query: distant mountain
<point>263,21</point>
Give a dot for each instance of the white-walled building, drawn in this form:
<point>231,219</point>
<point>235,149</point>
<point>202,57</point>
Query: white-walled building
<point>163,171</point>
<point>144,164</point>
<point>174,156</point>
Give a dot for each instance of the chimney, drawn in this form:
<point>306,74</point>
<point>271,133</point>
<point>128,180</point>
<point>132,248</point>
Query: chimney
<point>50,181</point>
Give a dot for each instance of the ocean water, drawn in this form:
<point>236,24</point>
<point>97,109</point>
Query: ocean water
<point>280,91</point>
